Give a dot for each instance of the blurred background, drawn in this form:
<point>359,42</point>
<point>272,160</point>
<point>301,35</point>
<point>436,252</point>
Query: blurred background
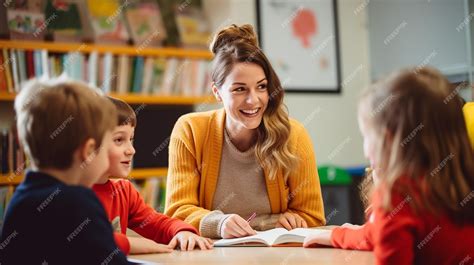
<point>153,54</point>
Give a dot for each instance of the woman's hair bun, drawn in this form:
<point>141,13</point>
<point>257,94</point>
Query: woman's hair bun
<point>233,34</point>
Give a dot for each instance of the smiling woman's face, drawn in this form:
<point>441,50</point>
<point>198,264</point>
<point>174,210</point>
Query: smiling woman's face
<point>244,95</point>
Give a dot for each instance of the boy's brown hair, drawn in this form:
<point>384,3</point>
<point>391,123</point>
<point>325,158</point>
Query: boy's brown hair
<point>125,114</point>
<point>56,117</point>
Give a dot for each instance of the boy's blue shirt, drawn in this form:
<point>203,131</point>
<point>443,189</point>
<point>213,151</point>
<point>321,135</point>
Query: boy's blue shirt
<point>49,222</point>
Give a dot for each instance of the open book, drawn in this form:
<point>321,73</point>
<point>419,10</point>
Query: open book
<point>273,237</point>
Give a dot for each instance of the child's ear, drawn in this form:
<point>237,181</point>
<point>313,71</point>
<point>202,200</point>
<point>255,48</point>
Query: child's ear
<point>87,149</point>
<point>215,91</point>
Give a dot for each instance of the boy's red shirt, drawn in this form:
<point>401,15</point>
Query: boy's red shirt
<point>125,208</point>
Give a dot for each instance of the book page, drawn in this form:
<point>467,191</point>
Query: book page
<point>266,237</point>
<point>296,235</point>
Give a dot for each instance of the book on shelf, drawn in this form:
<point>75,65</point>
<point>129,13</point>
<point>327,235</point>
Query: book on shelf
<point>92,71</point>
<point>271,238</point>
<point>145,24</point>
<point>158,71</point>
<point>12,156</point>
<point>3,78</point>
<point>22,66</point>
<point>138,74</point>
<point>123,72</point>
<point>193,27</point>
<point>108,24</point>
<point>66,20</point>
<point>107,72</point>
<point>25,24</point>
<point>147,75</point>
<point>169,78</point>
<point>6,70</point>
<point>14,69</point>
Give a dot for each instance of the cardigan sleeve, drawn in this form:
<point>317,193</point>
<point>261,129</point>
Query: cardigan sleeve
<point>182,200</point>
<point>468,110</point>
<point>304,195</point>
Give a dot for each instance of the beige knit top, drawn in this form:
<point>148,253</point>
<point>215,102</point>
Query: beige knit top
<point>241,190</point>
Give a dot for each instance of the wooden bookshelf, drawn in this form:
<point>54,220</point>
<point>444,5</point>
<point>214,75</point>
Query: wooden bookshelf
<point>10,179</point>
<point>143,173</point>
<point>165,52</point>
<point>114,49</point>
<point>145,99</point>
<point>7,96</point>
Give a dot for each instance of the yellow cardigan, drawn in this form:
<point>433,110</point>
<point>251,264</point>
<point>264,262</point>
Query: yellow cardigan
<point>194,157</point>
<point>468,110</point>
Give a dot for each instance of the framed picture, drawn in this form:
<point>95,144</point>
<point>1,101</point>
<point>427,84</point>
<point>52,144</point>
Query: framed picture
<point>300,38</point>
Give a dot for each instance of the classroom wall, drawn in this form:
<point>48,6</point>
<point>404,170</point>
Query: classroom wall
<point>400,37</point>
<point>330,119</point>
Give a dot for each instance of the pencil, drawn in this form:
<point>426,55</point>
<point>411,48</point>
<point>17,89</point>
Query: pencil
<point>251,217</point>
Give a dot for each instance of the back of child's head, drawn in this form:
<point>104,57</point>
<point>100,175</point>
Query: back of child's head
<point>55,117</point>
<point>421,135</point>
<point>125,114</point>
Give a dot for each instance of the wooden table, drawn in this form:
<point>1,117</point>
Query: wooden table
<point>262,255</point>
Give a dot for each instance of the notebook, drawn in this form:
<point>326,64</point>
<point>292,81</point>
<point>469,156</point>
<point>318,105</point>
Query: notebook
<point>271,238</point>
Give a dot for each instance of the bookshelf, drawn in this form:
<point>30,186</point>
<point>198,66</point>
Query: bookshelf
<point>144,99</point>
<point>114,49</point>
<point>132,98</point>
<point>143,173</point>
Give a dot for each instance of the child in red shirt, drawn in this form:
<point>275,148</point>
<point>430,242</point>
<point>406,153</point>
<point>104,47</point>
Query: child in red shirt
<point>423,202</point>
<point>126,208</point>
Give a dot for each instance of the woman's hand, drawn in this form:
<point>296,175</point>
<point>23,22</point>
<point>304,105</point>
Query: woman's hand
<point>291,221</point>
<point>141,245</point>
<point>188,240</point>
<point>322,237</point>
<point>235,226</point>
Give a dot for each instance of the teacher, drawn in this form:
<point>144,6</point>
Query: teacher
<point>248,157</point>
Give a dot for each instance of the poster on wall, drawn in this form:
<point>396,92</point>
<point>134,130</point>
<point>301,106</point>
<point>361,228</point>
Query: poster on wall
<point>300,38</point>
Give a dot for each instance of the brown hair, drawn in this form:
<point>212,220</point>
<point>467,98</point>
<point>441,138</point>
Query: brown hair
<point>55,117</point>
<point>365,188</point>
<point>239,44</point>
<point>423,137</point>
<point>125,114</point>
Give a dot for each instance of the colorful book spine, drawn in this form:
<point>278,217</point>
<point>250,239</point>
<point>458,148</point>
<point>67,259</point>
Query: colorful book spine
<point>4,152</point>
<point>14,67</point>
<point>37,63</point>
<point>138,75</point>
<point>22,66</point>
<point>108,64</point>
<point>3,79</point>
<point>11,153</point>
<point>92,69</point>
<point>30,65</point>
<point>123,70</point>
<point>124,74</point>
<point>8,73</point>
<point>44,63</point>
<point>147,76</point>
